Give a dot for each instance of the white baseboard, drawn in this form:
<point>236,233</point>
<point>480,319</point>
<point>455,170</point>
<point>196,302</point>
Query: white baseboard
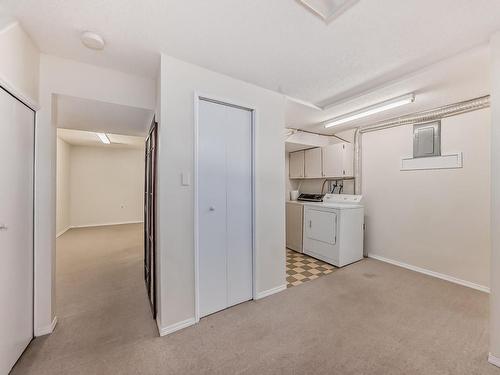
<point>493,360</point>
<point>451,279</point>
<point>175,327</point>
<point>105,224</point>
<point>47,329</point>
<point>269,292</point>
<point>63,231</point>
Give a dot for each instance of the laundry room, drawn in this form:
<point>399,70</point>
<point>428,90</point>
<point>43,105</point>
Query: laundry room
<point>421,175</point>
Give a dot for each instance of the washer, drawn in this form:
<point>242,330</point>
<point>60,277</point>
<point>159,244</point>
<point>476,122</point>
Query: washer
<point>333,229</point>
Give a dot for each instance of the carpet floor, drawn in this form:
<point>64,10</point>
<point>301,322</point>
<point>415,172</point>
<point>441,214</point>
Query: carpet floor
<point>367,318</point>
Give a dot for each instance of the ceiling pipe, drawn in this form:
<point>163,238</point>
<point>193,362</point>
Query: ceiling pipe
<point>415,118</point>
<point>294,131</point>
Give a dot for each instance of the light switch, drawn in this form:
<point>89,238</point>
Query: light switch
<point>186,179</point>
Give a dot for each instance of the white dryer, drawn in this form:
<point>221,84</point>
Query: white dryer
<point>333,229</point>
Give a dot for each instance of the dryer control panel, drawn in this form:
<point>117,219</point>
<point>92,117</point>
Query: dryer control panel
<point>342,198</point>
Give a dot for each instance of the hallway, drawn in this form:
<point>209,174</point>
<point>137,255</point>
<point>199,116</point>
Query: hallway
<point>102,304</point>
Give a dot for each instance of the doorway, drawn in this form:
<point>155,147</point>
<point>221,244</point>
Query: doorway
<point>224,215</point>
<point>17,144</point>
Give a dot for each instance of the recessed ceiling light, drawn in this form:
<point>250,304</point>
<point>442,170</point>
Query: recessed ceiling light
<point>371,110</point>
<point>104,138</point>
<point>92,40</point>
<point>328,10</point>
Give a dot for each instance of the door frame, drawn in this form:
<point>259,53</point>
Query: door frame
<point>150,214</point>
<point>198,96</point>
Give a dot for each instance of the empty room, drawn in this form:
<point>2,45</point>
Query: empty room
<point>250,187</point>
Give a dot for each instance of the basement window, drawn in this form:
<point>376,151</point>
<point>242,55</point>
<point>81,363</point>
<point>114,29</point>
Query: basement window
<point>328,10</point>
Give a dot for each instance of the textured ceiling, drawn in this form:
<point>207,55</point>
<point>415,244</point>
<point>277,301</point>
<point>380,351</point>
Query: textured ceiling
<point>275,44</point>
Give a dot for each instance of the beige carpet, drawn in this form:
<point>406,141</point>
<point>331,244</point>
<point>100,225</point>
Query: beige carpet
<point>368,318</point>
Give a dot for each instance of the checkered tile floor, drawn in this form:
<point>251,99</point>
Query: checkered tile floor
<point>301,268</point>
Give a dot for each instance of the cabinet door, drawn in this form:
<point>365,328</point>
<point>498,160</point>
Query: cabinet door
<point>333,160</point>
<point>296,164</point>
<point>347,159</point>
<point>313,164</point>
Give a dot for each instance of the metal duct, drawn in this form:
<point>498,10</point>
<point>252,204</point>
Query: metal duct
<point>415,118</point>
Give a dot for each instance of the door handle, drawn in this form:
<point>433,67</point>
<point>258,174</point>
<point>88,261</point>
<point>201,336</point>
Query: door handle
<point>211,208</point>
<point>310,223</point>
<point>3,227</point>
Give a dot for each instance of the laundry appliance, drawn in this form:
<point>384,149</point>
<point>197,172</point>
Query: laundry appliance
<point>333,229</point>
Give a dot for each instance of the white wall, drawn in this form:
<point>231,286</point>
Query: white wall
<point>107,186</point>
<point>67,77</point>
<point>63,220</point>
<point>19,62</point>
<point>434,219</point>
<point>179,82</point>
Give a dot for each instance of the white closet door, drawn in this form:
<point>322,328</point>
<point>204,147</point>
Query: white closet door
<point>239,204</point>
<point>16,229</point>
<point>224,206</point>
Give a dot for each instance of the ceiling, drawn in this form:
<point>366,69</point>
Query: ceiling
<point>85,138</point>
<point>462,77</point>
<point>275,44</point>
<point>96,116</point>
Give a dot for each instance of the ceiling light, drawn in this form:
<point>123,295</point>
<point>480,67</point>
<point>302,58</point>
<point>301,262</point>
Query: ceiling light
<point>328,10</point>
<point>92,40</point>
<point>371,110</point>
<point>104,138</point>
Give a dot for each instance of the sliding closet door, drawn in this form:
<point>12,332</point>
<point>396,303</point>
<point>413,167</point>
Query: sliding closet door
<point>224,206</point>
<point>16,229</point>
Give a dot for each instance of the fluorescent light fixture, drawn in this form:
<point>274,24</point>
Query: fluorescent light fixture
<point>328,10</point>
<point>104,138</point>
<point>371,110</point>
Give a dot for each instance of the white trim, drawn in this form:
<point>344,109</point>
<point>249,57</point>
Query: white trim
<point>47,329</point>
<point>63,231</point>
<point>197,96</point>
<point>176,326</point>
<point>271,291</point>
<point>438,275</point>
<point>14,91</point>
<point>493,360</point>
<point>105,224</point>
<point>450,161</point>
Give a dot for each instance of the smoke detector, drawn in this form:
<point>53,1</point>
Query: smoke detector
<point>92,40</point>
<point>327,10</point>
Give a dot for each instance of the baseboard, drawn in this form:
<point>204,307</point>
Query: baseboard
<point>493,360</point>
<point>47,329</point>
<point>105,224</point>
<point>451,279</point>
<point>269,292</point>
<point>63,231</point>
<point>175,327</point>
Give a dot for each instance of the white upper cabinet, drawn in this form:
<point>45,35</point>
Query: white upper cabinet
<point>333,161</point>
<point>296,164</point>
<point>313,163</point>
<point>338,160</point>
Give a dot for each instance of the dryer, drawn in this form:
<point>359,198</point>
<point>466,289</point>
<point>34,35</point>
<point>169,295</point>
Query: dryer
<point>333,229</point>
